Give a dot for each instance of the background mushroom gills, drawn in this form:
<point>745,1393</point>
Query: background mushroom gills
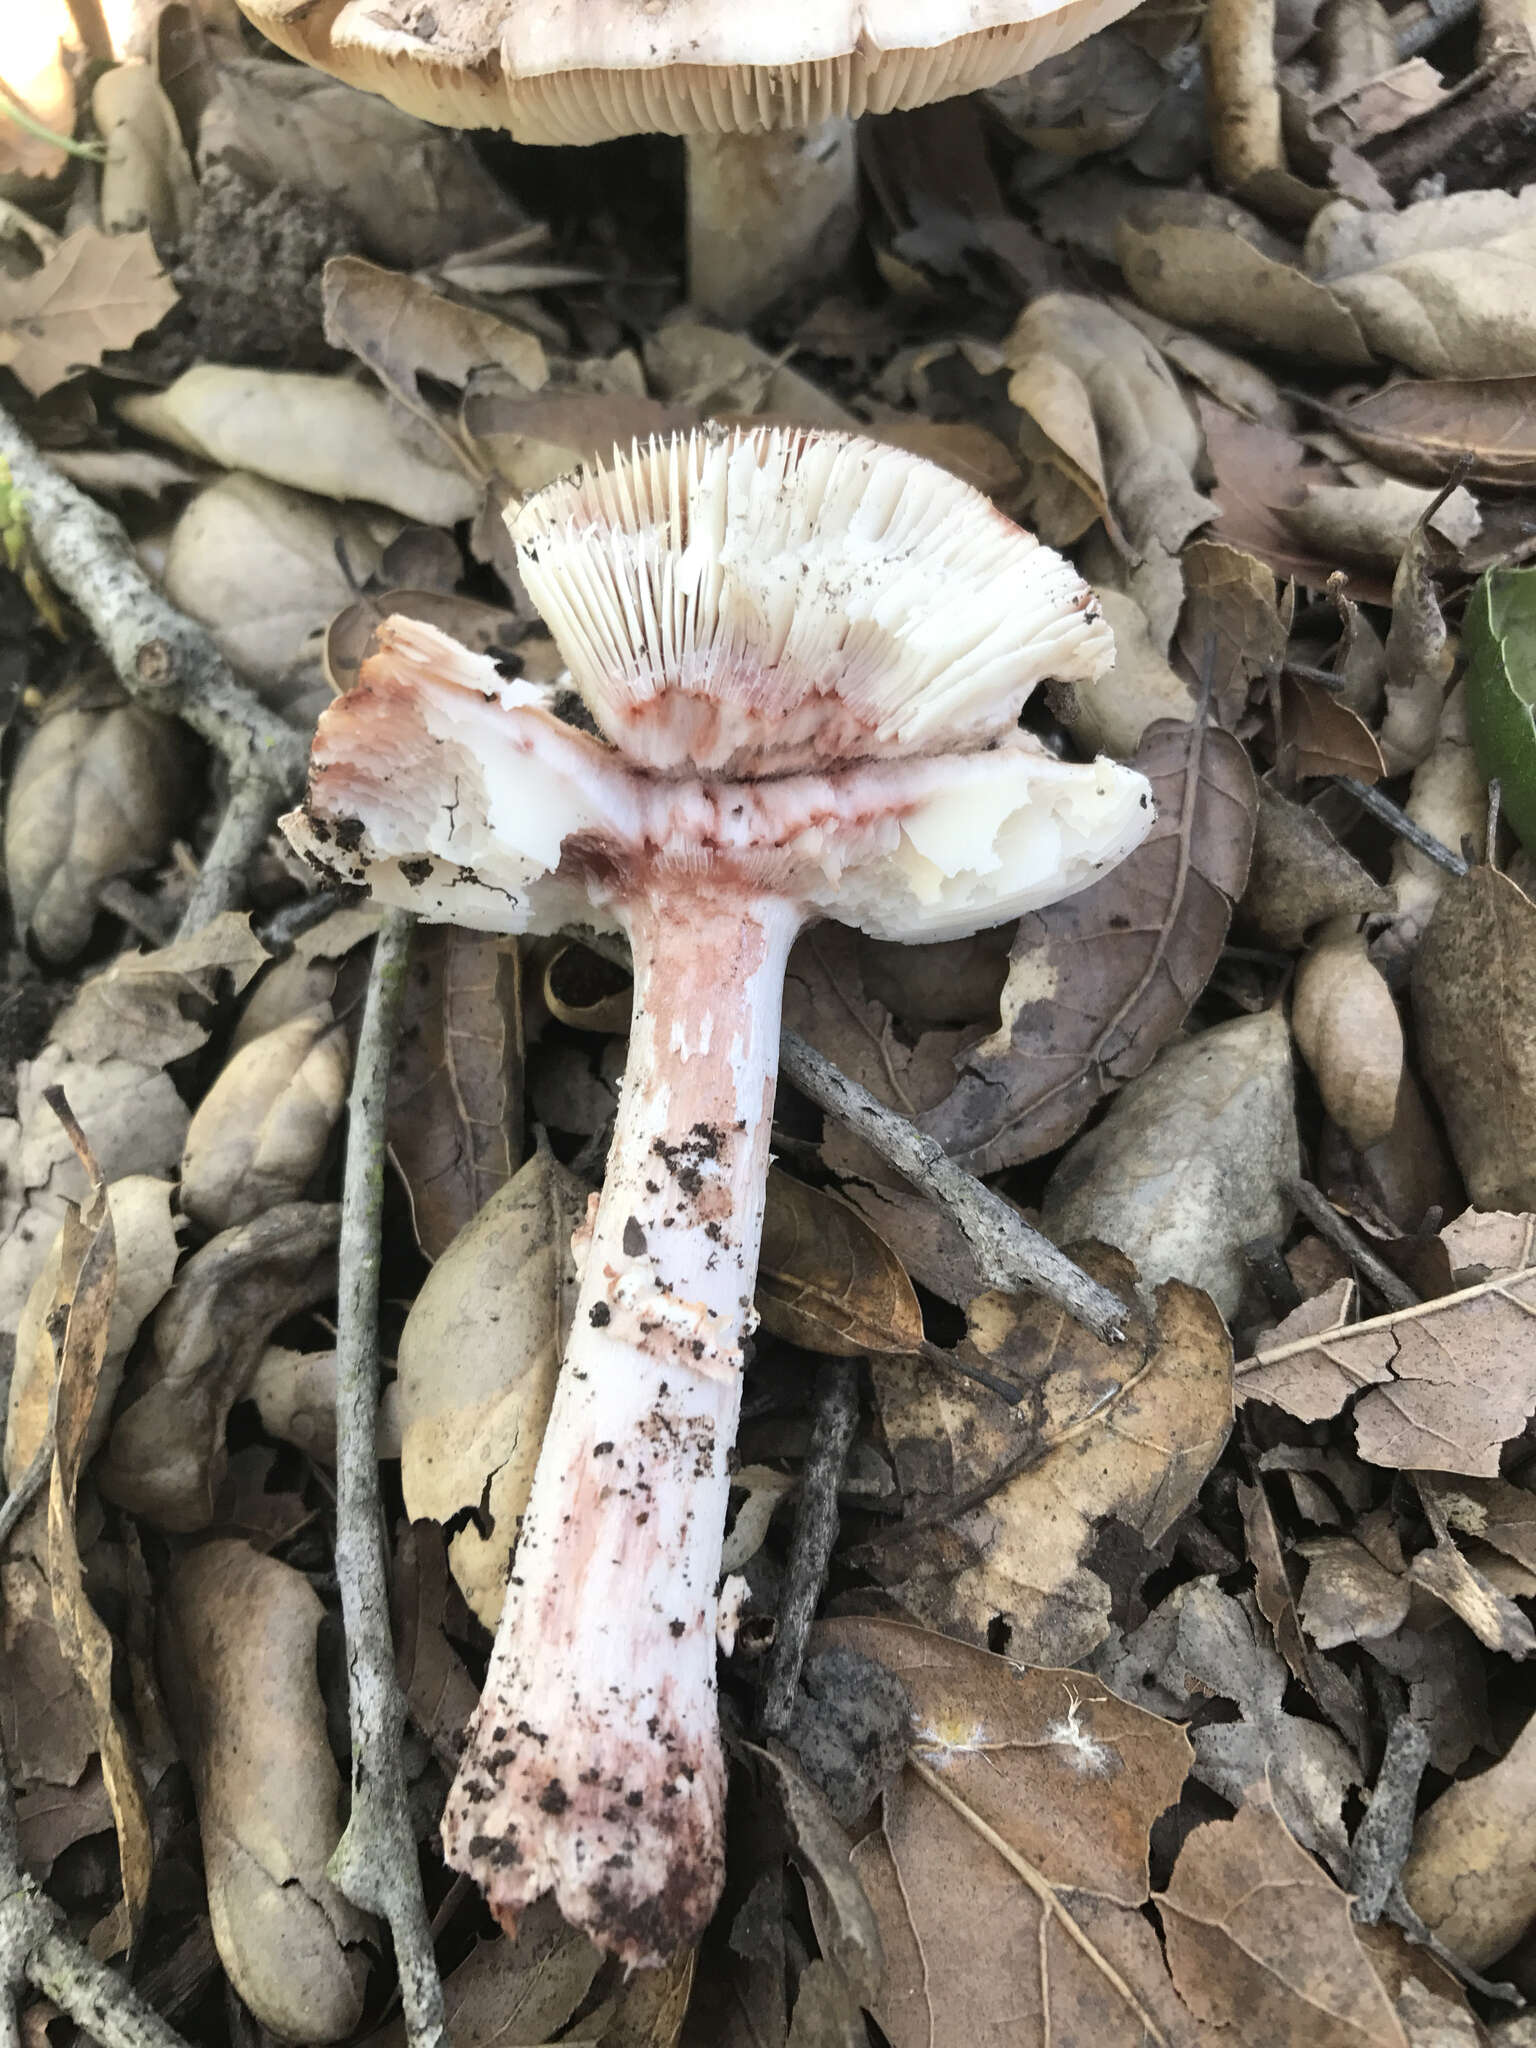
<point>846,635</point>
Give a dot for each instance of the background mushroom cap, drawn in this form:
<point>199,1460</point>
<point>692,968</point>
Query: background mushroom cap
<point>575,71</point>
<point>769,600</point>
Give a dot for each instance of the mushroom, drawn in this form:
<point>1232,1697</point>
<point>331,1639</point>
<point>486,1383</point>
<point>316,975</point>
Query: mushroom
<point>766,95</point>
<point>806,656</point>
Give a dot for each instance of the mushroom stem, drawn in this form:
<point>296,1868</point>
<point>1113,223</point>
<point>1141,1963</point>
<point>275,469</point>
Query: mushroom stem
<point>768,211</point>
<point>593,1767</point>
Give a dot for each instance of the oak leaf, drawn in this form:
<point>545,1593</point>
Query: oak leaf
<point>95,292</point>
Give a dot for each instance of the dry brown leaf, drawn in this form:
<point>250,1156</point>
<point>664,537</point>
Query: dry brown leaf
<point>1449,798</point>
<point>265,567</point>
<point>166,1454</point>
<point>1319,734</point>
<point>1231,628</point>
<point>305,977</point>
<point>1301,874</point>
<point>147,179</point>
<point>158,1007</point>
<point>95,292</point>
<point>1350,1035</point>
<point>530,440</point>
<point>1130,956</point>
<point>260,1133</point>
<point>1338,1697</point>
<point>1463,311</point>
<point>1372,520</point>
<point>1474,1002</point>
<point>1490,1510</point>
<point>1482,428</point>
<point>350,636</point>
<point>1205,263</point>
<point>1355,1590</point>
<point>478,1359</point>
<point>1191,1162</point>
<point>1004,1498</point>
<point>1419,659</point>
<point>1471,1876</point>
<point>147,1251</point>
<point>1261,1945</point>
<point>1111,714</point>
<point>455,1100</point>
<point>237,1650</point>
<point>826,1281</point>
<point>1030,1795</point>
<point>83,1302</point>
<point>1445,1384</point>
<point>328,435</point>
<point>1260,472</point>
<point>94,794</point>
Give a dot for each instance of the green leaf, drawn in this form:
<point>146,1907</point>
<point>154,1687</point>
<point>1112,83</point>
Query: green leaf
<point>1499,639</point>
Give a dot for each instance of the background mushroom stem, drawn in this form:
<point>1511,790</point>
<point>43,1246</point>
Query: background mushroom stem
<point>768,211</point>
<point>593,1766</point>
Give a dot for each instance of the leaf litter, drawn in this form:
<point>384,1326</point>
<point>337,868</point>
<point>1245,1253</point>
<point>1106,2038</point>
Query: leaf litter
<point>1115,1639</point>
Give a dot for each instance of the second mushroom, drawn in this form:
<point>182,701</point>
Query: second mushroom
<point>806,656</point>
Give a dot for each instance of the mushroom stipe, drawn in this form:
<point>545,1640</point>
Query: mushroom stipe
<point>805,655</point>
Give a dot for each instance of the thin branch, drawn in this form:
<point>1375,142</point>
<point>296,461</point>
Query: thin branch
<point>810,1549</point>
<point>375,1863</point>
<point>35,1950</point>
<point>1397,820</point>
<point>1344,1237</point>
<point>1008,1254</point>
<point>26,1490</point>
<point>163,659</point>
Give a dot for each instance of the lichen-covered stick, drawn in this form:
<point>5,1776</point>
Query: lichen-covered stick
<point>806,655</point>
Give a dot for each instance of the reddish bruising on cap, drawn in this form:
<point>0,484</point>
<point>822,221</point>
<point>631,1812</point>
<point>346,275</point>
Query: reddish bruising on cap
<point>602,1680</point>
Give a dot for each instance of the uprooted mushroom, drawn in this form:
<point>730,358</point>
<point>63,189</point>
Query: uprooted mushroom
<point>806,655</point>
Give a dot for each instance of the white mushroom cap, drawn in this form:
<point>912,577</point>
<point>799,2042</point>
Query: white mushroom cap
<point>767,600</point>
<point>582,70</point>
<point>460,796</point>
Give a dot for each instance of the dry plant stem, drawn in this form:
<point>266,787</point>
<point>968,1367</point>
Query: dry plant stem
<point>375,1863</point>
<point>593,1767</point>
<point>1397,820</point>
<point>162,658</point>
<point>35,1950</point>
<point>1341,1233</point>
<point>1244,96</point>
<point>26,1489</point>
<point>1385,1835</point>
<point>810,1549</point>
<point>1008,1253</point>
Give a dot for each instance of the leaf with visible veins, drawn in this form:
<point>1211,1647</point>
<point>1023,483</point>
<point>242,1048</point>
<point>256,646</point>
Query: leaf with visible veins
<point>96,292</point>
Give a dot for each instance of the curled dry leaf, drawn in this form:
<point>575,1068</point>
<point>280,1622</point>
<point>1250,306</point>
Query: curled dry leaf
<point>262,567</point>
<point>1419,660</point>
<point>260,1133</point>
<point>1350,1035</point>
<point>1465,310</point>
<point>1031,1795</point>
<point>351,636</point>
<point>146,1251</point>
<point>1301,874</point>
<point>1470,1876</point>
<point>1003,1499</point>
<point>1357,1587</point>
<point>1445,1384</point>
<point>82,1307</point>
<point>1474,1002</point>
<point>1375,521</point>
<point>1231,626</point>
<point>158,1007</point>
<point>1499,638</point>
<point>1111,714</point>
<point>1340,1699</point>
<point>1318,734</point>
<point>146,180</point>
<point>1449,799</point>
<point>1134,951</point>
<point>1434,428</point>
<point>455,1122</point>
<point>295,1395</point>
<point>166,1456</point>
<point>328,435</point>
<point>1261,1945</point>
<point>479,1356</point>
<point>95,292</point>
<point>237,1656</point>
<point>827,1281</point>
<point>1108,416</point>
<point>305,977</point>
<point>94,794</point>
<point>1191,1162</point>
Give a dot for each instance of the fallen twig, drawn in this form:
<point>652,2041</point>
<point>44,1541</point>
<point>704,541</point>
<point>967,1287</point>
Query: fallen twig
<point>1344,1237</point>
<point>26,1489</point>
<point>1397,820</point>
<point>164,660</point>
<point>810,1549</point>
<point>35,1950</point>
<point>375,1862</point>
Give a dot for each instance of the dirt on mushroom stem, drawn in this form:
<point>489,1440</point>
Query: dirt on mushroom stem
<point>593,1767</point>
